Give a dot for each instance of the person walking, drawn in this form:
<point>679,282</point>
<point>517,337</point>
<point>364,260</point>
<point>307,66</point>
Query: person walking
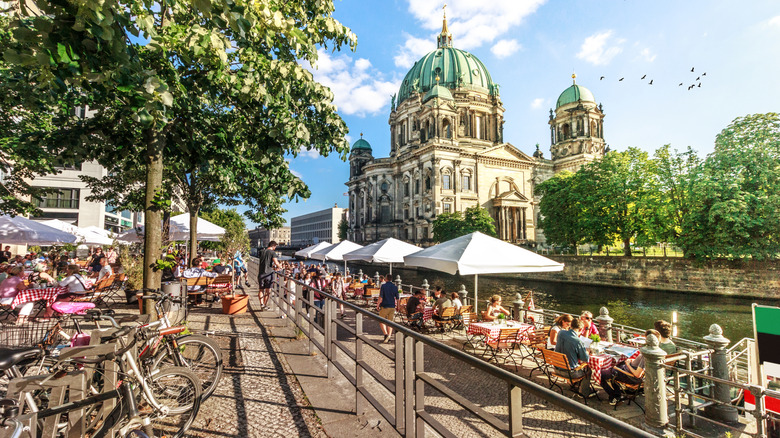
<point>268,264</point>
<point>388,300</point>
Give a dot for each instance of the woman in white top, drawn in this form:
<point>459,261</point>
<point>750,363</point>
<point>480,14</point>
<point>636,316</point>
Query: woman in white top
<point>75,283</point>
<point>339,290</point>
<point>494,308</point>
<point>557,326</point>
<point>455,298</point>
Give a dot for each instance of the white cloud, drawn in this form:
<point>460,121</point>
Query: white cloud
<point>537,103</point>
<point>358,88</point>
<point>505,48</point>
<point>412,50</point>
<point>775,21</point>
<point>296,173</point>
<point>471,23</point>
<point>600,48</point>
<point>311,154</point>
<point>645,53</point>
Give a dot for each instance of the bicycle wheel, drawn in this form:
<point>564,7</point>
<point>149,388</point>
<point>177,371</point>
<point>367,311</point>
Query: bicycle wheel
<point>179,390</point>
<point>201,355</point>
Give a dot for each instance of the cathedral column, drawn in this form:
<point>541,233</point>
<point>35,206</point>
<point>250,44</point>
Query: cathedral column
<point>524,229</point>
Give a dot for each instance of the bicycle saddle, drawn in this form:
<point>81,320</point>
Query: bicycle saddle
<point>12,356</point>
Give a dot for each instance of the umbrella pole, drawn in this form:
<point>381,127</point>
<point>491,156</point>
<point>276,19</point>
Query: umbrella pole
<point>476,299</point>
<point>345,268</point>
<point>391,269</point>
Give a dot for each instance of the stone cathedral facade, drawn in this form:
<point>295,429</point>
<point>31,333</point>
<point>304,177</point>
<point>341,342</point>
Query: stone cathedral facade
<point>448,153</point>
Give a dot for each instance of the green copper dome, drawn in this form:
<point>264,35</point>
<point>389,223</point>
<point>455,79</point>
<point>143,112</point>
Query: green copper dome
<point>361,144</point>
<point>440,92</point>
<point>573,94</point>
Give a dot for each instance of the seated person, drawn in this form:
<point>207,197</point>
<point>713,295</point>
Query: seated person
<point>414,309</point>
<point>75,283</point>
<point>441,303</point>
<point>634,371</point>
<point>39,275</point>
<point>105,269</point>
<point>220,267</point>
<point>569,343</point>
<point>664,329</point>
<point>554,330</point>
<point>494,308</point>
<point>455,298</point>
<point>10,287</point>
<point>588,326</point>
<point>194,272</point>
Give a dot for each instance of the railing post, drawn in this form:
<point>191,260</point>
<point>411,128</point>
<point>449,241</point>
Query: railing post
<point>605,324</point>
<point>759,412</point>
<point>464,294</point>
<point>517,305</point>
<point>720,369</point>
<point>515,411</point>
<point>312,317</point>
<point>400,395</point>
<point>408,382</point>
<point>327,327</point>
<point>419,387</point>
<point>298,305</point>
<point>656,415</point>
<point>398,281</point>
<point>360,401</point>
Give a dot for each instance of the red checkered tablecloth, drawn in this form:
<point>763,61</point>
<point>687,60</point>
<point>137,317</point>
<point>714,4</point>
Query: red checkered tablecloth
<point>492,331</point>
<point>31,295</point>
<point>599,363</point>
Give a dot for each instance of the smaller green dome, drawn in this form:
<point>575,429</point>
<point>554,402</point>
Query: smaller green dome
<point>440,92</point>
<point>361,144</point>
<point>573,94</point>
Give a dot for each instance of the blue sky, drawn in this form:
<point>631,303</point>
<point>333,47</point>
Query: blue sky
<point>531,49</point>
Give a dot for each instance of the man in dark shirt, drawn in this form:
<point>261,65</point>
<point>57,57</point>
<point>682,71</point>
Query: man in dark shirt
<point>5,256</point>
<point>388,299</point>
<point>220,267</point>
<point>268,264</point>
<point>569,344</point>
<point>413,314</point>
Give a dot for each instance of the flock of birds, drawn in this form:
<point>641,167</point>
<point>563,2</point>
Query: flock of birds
<point>696,83</point>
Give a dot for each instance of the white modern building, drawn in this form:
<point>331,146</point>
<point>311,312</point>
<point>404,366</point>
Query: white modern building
<point>320,226</point>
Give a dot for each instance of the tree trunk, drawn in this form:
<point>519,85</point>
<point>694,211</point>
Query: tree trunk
<point>152,213</point>
<point>194,212</point>
<point>627,247</point>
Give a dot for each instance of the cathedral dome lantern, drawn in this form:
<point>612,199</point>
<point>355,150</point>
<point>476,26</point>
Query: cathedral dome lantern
<point>359,156</point>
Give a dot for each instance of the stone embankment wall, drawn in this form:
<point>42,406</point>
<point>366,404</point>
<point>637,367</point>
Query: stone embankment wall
<point>738,278</point>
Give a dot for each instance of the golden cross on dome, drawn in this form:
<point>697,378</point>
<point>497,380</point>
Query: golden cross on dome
<point>361,135</point>
<point>444,8</point>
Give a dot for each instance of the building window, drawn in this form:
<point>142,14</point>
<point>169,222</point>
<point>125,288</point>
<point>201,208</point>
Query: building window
<point>427,182</point>
<point>466,183</point>
<point>417,186</point>
<point>406,213</point>
<point>445,182</point>
<point>447,207</point>
<point>64,198</point>
<point>406,188</point>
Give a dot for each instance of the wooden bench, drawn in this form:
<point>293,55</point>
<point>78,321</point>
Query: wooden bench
<point>211,285</point>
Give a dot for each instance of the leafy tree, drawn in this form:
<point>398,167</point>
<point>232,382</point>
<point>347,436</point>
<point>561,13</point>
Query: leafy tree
<point>243,55</point>
<point>561,210</point>
<point>343,229</point>
<point>235,237</point>
<point>736,198</point>
<point>615,194</point>
<point>448,226</point>
<point>677,174</point>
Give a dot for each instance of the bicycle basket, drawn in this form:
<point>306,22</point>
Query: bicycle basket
<point>36,332</point>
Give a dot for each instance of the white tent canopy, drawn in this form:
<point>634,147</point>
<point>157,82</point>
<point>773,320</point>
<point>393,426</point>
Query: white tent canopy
<point>206,229</point>
<point>477,253</point>
<point>336,251</point>
<point>306,252</point>
<point>21,231</point>
<point>389,250</point>
<point>87,236</point>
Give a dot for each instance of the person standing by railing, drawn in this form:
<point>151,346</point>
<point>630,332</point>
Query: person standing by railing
<point>388,300</point>
<point>268,264</point>
<point>339,290</point>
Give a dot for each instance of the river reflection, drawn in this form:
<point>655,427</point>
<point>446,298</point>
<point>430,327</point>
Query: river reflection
<point>630,307</point>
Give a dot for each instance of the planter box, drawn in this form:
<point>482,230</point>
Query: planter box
<point>234,304</point>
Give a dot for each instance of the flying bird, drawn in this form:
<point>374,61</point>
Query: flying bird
<point>689,88</point>
<point>651,82</point>
<point>680,84</point>
<point>704,74</point>
<point>692,69</point>
<point>601,78</point>
<point>620,79</point>
<point>699,84</point>
<point>643,77</point>
<point>699,78</point>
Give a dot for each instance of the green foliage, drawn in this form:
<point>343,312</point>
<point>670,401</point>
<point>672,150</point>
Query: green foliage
<point>595,338</point>
<point>448,226</point>
<point>133,268</point>
<point>235,237</point>
<point>343,228</point>
<point>736,200</point>
<point>560,210</point>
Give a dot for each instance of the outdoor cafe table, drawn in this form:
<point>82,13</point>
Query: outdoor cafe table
<point>492,331</point>
<point>48,294</point>
<point>602,362</point>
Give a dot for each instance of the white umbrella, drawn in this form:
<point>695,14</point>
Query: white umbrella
<point>22,231</point>
<point>206,229</point>
<point>477,253</point>
<point>389,250</point>
<point>336,251</point>
<point>84,235</point>
<point>306,252</point>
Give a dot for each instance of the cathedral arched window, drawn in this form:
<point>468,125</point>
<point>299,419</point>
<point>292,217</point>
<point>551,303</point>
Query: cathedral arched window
<point>466,180</point>
<point>566,131</point>
<point>447,129</point>
<point>446,179</point>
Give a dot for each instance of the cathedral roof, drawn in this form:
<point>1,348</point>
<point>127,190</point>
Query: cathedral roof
<point>361,144</point>
<point>453,67</point>
<point>575,93</point>
<point>440,92</point>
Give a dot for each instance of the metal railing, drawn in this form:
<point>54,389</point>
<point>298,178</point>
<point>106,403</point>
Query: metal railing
<point>401,398</point>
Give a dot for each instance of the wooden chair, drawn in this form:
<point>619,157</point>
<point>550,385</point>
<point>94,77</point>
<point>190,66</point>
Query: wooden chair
<point>504,343</point>
<point>224,279</point>
<point>558,369</point>
<point>459,316</point>
<point>400,311</point>
<point>628,391</point>
<point>446,320</point>
<point>197,281</point>
<point>533,345</point>
<point>99,292</point>
<point>115,292</point>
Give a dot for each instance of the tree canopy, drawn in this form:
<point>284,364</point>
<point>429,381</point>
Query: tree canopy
<point>448,226</point>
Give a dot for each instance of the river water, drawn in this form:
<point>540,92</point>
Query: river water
<point>627,306</point>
